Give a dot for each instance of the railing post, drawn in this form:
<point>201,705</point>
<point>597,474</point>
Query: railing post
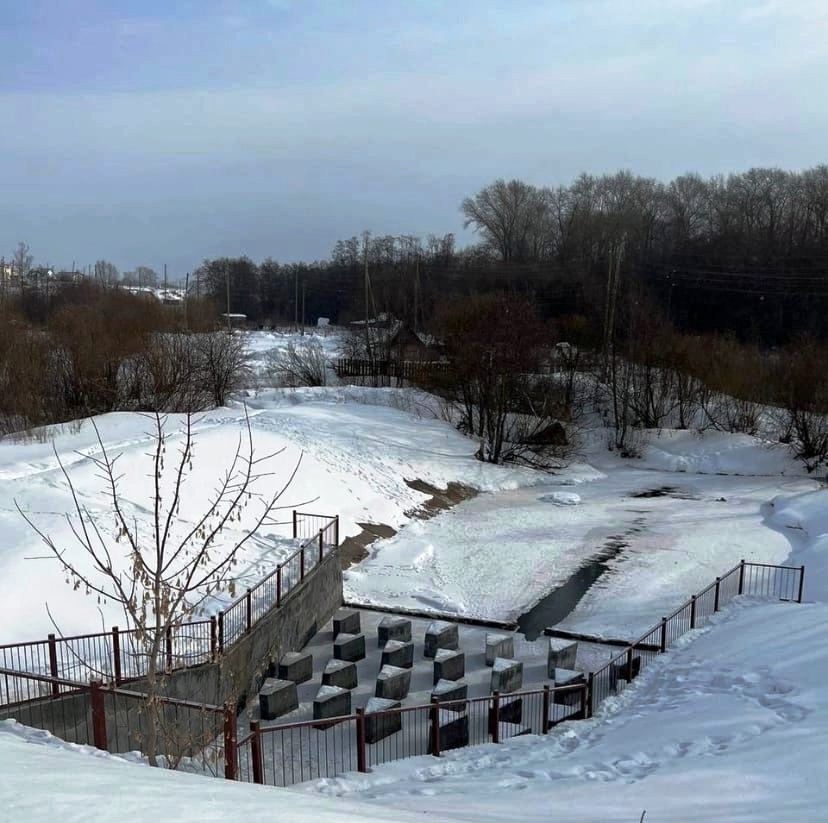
<point>663,635</point>
<point>435,726</point>
<point>96,699</point>
<point>801,584</point>
<point>693,612</point>
<point>295,525</point>
<point>742,577</point>
<point>278,586</point>
<point>249,609</point>
<point>362,765</point>
<point>53,665</point>
<point>302,563</point>
<point>221,632</point>
<point>321,546</point>
<point>716,598</point>
<point>256,752</point>
<point>169,649</point>
<point>230,754</point>
<point>495,717</point>
<point>590,695</point>
<point>116,655</point>
<point>336,532</point>
<point>545,709</point>
<point>213,638</point>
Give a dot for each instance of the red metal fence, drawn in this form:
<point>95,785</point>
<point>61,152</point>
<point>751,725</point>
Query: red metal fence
<point>750,579</point>
<point>119,655</point>
<point>292,753</point>
<point>191,736</point>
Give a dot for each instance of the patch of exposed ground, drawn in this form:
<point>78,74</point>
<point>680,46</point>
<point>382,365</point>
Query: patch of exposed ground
<point>354,549</point>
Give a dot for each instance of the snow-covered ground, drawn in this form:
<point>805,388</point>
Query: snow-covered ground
<point>691,508</point>
<point>357,446</point>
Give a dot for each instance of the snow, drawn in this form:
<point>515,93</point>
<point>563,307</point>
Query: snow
<point>729,727</point>
<point>561,498</point>
<point>357,446</point>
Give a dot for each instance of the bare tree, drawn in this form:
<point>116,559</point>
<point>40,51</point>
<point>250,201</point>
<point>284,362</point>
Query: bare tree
<point>161,576</point>
<point>23,259</point>
<point>298,365</point>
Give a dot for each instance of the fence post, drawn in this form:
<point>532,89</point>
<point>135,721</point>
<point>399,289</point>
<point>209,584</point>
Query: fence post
<point>435,726</point>
<point>693,612</point>
<point>96,699</point>
<point>302,563</point>
<point>295,525</point>
<point>213,638</point>
<point>230,753</point>
<point>116,655</point>
<point>256,752</point>
<point>249,609</point>
<point>590,695</point>
<point>742,577</point>
<point>362,766</point>
<point>663,635</point>
<point>221,632</point>
<point>495,717</point>
<point>545,723</point>
<point>716,599</point>
<point>630,664</point>
<point>321,546</point>
<point>278,586</point>
<point>801,583</point>
<point>53,666</point>
<point>336,532</point>
<point>169,649</point>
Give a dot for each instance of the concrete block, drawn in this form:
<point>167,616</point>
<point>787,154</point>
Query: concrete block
<point>440,635</point>
<point>561,655</point>
<point>449,665</point>
<point>393,683</point>
<point>454,731</point>
<point>398,653</point>
<point>510,711</point>
<point>568,677</point>
<point>446,690</point>
<point>342,673</point>
<point>331,701</point>
<point>346,621</point>
<point>380,726</point>
<point>277,697</point>
<point>296,666</point>
<point>393,628</point>
<point>499,645</point>
<point>507,675</point>
<point>349,647</point>
<point>622,671</point>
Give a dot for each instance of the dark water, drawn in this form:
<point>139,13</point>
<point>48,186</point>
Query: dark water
<point>561,601</point>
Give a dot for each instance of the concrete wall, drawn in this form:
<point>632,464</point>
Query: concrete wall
<point>244,666</point>
<point>235,678</point>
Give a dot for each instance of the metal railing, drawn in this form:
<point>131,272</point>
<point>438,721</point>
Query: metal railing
<point>119,656</point>
<point>748,579</point>
<point>196,737</point>
<point>292,753</point>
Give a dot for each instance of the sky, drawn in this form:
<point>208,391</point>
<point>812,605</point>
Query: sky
<point>153,131</point>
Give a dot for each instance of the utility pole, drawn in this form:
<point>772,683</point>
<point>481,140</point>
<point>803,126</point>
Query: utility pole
<point>303,308</point>
<point>296,299</point>
<point>227,284</point>
<point>186,297</point>
<point>416,292</point>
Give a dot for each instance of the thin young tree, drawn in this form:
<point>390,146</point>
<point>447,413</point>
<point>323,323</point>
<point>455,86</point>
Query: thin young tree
<point>161,576</point>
